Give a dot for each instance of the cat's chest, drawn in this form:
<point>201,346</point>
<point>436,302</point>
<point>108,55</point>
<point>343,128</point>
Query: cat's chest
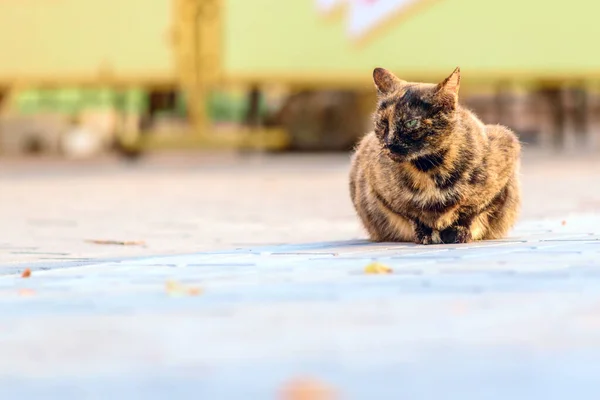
<point>423,193</point>
<point>418,185</point>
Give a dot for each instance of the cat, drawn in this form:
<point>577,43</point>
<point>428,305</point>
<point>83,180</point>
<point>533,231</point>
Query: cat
<point>431,172</point>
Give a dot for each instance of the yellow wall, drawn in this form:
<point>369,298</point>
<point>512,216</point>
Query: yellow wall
<point>76,40</point>
<point>288,40</point>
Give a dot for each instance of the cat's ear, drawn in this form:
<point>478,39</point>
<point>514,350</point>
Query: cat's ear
<point>385,81</point>
<point>452,83</point>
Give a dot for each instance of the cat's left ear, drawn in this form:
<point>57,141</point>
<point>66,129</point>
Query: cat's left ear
<point>452,83</point>
<point>385,81</point>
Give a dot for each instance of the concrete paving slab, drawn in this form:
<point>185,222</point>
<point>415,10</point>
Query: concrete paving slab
<point>517,318</point>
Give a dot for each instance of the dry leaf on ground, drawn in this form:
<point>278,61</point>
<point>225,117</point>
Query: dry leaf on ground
<point>26,273</point>
<point>307,389</point>
<point>378,268</point>
<point>175,288</point>
<point>119,242</point>
<point>563,223</point>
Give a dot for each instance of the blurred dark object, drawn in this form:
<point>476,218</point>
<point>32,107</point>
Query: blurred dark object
<point>253,117</point>
<point>21,135</point>
<point>128,152</point>
<point>322,120</point>
<point>547,116</point>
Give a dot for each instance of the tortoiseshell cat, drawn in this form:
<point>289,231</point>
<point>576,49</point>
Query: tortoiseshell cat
<point>432,172</point>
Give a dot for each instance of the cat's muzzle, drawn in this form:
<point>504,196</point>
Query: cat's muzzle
<point>397,150</point>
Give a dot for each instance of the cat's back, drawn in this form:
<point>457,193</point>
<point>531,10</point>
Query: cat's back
<point>502,136</point>
<point>364,153</point>
<point>504,145</point>
<point>367,146</point>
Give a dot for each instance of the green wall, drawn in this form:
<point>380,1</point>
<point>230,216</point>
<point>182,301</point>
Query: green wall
<point>275,38</point>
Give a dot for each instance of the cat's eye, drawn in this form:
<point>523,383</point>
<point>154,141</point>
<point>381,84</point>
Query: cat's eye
<point>412,123</point>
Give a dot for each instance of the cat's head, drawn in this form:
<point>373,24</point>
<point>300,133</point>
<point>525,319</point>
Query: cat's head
<point>415,119</point>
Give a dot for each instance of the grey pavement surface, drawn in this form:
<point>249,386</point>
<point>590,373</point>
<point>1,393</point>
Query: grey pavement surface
<point>277,251</point>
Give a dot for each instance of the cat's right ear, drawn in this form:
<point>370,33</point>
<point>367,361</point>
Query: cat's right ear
<point>385,81</point>
<point>452,83</point>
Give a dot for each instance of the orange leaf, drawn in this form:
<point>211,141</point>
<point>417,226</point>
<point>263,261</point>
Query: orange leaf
<point>177,289</point>
<point>26,292</point>
<point>26,273</point>
<point>307,389</point>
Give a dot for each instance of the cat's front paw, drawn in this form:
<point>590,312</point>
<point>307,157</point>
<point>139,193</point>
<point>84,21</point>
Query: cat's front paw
<point>425,235</point>
<point>456,234</point>
<point>423,239</point>
<point>433,238</point>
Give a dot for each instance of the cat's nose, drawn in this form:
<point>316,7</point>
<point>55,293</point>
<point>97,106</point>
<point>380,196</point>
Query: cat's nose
<point>397,149</point>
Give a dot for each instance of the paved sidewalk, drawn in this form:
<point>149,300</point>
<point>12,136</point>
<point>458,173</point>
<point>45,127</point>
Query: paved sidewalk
<point>511,319</point>
<point>517,319</point>
<point>186,203</point>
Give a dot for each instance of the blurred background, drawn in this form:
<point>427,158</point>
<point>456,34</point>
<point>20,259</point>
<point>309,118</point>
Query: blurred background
<point>239,115</point>
<point>80,78</point>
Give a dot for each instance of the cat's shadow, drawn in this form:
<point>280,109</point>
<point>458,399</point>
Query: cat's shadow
<point>335,245</point>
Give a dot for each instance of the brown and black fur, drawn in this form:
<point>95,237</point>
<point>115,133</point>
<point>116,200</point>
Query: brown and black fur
<point>446,178</point>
